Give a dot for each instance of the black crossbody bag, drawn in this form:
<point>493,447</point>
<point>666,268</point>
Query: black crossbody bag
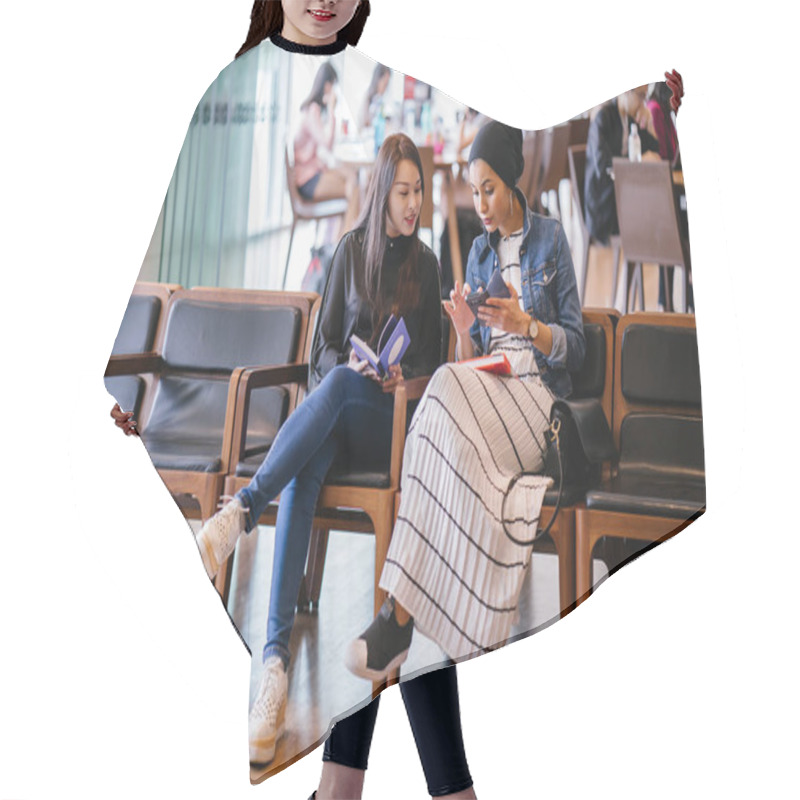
<point>579,441</point>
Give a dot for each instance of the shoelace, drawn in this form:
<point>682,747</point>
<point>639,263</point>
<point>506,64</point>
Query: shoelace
<point>229,522</point>
<point>265,704</point>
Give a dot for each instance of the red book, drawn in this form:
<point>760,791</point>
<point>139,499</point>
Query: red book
<point>497,364</point>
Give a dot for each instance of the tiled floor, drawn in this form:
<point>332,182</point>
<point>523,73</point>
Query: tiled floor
<point>319,683</point>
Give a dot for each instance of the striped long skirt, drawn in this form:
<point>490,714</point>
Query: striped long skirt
<point>466,522</point>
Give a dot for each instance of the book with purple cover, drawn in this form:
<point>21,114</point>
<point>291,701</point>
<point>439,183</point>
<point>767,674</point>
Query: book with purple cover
<point>392,345</point>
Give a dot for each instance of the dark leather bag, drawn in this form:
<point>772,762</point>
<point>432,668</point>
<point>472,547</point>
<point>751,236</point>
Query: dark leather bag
<point>579,442</point>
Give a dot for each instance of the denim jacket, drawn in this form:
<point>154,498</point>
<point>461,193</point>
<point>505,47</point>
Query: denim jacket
<point>549,293</point>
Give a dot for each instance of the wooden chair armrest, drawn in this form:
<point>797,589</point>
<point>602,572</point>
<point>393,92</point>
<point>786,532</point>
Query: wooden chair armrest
<point>243,381</point>
<point>260,377</point>
<point>415,387</point>
<point>398,434</point>
<point>411,389</point>
<point>133,364</point>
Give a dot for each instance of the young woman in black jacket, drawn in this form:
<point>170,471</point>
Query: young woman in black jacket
<point>380,268</point>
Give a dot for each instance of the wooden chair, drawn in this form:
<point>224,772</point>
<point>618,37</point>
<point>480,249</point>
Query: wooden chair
<point>658,486</point>
<point>578,131</point>
<point>307,210</point>
<point>187,419</point>
<point>349,501</point>
<point>594,380</point>
<point>648,223</point>
<point>576,158</point>
<point>315,565</point>
<point>140,327</point>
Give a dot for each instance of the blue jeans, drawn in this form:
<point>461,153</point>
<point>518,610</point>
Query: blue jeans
<point>347,418</point>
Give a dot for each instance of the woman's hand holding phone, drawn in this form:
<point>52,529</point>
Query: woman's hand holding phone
<point>505,313</point>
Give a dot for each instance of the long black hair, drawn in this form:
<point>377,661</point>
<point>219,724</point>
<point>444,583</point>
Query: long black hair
<point>395,149</point>
<point>266,19</point>
<point>325,74</point>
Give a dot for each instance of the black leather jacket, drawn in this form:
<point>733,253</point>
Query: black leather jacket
<point>345,312</point>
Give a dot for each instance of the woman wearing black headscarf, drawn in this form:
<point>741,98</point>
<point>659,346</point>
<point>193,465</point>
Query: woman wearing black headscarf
<point>465,527</point>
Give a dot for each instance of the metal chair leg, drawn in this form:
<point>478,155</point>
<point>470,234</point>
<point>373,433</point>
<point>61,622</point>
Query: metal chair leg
<point>288,255</point>
<point>615,256</point>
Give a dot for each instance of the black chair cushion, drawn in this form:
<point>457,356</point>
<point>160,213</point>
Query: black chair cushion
<point>343,475</point>
<point>137,332</point>
<point>590,380</point>
<point>662,443</point>
<point>197,455</point>
<point>204,335</point>
<point>569,497</point>
<point>660,365</point>
<point>186,424</point>
<point>338,475</point>
<point>659,495</point>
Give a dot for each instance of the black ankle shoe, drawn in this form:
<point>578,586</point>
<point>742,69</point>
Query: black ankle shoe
<point>382,647</point>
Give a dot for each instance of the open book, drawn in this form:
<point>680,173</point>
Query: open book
<point>392,345</point>
<point>497,363</point>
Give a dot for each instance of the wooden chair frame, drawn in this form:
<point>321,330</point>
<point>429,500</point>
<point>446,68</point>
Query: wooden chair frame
<point>561,539</point>
<point>206,487</point>
<point>591,525</point>
<point>355,509</point>
<point>163,291</point>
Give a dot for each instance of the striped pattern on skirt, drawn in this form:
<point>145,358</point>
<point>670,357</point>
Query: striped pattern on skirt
<point>450,562</point>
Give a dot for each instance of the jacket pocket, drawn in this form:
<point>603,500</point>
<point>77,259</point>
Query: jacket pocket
<point>542,282</point>
<point>543,274</point>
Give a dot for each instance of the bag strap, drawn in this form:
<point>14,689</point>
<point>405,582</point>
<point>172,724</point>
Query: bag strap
<point>554,431</point>
<point>595,438</point>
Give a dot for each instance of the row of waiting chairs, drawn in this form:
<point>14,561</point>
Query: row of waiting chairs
<point>219,370</point>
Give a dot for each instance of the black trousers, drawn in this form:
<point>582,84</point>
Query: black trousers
<point>431,702</point>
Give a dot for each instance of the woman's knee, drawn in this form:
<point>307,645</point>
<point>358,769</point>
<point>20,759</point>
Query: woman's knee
<point>341,379</point>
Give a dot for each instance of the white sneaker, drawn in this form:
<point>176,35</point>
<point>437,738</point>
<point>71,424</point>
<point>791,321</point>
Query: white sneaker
<point>217,538</point>
<point>268,714</point>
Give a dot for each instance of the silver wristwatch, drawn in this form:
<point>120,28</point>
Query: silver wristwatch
<point>533,329</point>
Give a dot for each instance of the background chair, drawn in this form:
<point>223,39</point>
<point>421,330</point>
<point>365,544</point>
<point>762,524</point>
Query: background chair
<point>141,324</point>
<point>648,224</point>
<point>186,421</point>
<point>578,131</point>
<point>307,210</point>
<point>576,158</point>
<point>658,486</point>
